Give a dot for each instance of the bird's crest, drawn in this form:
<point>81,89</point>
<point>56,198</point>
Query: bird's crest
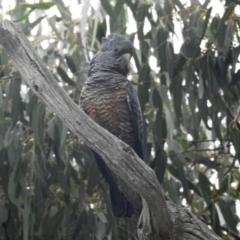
<point>116,42</point>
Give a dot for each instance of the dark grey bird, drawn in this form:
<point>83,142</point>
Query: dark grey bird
<point>109,98</point>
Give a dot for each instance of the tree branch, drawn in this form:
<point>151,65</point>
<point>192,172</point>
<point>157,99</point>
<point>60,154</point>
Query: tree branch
<point>160,218</point>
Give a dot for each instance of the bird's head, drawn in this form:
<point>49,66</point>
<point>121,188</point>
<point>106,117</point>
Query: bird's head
<point>115,52</point>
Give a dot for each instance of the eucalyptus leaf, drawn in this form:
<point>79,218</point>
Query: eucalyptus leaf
<point>228,215</point>
<point>36,22</point>
<point>37,123</point>
<point>40,5</point>
<point>26,216</point>
<point>16,100</point>
<point>205,186</point>
<point>93,178</point>
<point>215,219</point>
<point>157,101</point>
<point>177,97</point>
<point>65,77</point>
<point>161,165</point>
<point>109,9</point>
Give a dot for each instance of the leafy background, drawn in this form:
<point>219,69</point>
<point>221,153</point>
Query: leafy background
<point>50,187</point>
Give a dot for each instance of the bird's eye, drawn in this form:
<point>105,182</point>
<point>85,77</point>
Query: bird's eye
<point>115,49</point>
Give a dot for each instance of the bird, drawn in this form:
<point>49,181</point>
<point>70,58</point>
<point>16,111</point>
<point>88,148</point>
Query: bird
<point>110,100</point>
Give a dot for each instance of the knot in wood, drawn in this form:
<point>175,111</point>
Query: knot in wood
<point>78,122</point>
<point>127,148</point>
<point>36,87</point>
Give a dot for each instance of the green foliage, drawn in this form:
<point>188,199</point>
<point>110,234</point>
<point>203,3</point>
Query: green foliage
<point>50,186</point>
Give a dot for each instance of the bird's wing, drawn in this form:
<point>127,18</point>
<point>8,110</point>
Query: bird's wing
<point>137,119</point>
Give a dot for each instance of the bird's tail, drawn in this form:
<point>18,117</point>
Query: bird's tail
<point>121,208</point>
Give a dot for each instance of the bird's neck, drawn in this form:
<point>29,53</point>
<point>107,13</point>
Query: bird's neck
<point>106,68</point>
<point>101,82</point>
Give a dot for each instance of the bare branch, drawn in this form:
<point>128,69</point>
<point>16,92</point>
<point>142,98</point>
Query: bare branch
<point>158,214</point>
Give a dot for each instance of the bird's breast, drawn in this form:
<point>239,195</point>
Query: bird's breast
<point>111,111</point>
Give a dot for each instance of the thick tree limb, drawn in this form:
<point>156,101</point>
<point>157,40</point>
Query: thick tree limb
<point>160,218</point>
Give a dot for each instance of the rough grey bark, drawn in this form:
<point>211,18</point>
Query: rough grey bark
<point>160,218</point>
